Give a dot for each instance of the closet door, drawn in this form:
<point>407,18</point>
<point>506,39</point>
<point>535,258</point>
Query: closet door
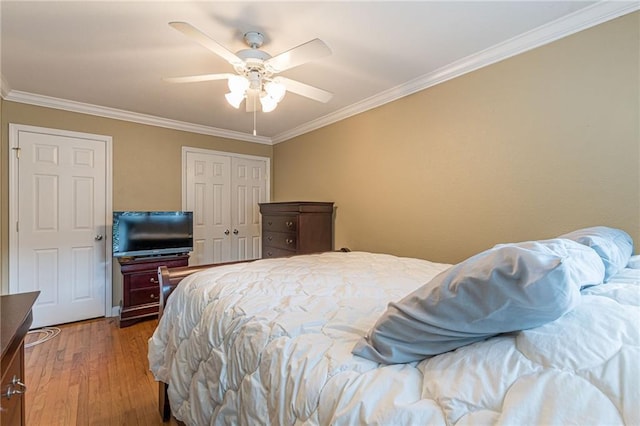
<point>208,193</point>
<point>223,191</point>
<point>248,184</point>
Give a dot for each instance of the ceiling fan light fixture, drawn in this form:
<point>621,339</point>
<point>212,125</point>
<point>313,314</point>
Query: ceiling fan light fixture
<point>235,98</point>
<point>275,90</point>
<point>268,103</point>
<point>238,84</point>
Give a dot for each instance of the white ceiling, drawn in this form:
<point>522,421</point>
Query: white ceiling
<point>108,58</point>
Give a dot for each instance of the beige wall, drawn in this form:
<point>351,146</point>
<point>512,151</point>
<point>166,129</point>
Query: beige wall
<point>531,147</point>
<point>536,145</point>
<point>146,162</point>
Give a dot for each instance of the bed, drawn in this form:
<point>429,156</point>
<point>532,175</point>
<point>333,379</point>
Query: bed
<point>539,332</point>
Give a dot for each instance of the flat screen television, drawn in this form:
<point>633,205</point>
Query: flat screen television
<point>142,234</point>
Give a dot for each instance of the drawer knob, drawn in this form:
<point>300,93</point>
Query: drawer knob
<point>289,241</point>
<point>153,280</point>
<point>289,224</point>
<point>269,238</point>
<point>269,223</point>
<point>152,296</point>
<point>269,254</point>
<point>19,389</point>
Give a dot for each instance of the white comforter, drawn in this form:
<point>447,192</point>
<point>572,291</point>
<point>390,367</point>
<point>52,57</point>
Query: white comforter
<point>270,342</point>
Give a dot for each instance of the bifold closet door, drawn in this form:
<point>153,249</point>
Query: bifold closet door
<point>208,195</point>
<point>248,183</point>
<point>223,191</point>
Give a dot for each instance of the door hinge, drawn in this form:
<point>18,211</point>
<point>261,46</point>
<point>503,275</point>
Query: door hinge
<point>17,151</point>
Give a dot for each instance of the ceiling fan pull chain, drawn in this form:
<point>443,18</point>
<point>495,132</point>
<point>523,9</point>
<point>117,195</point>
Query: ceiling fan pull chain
<point>254,117</point>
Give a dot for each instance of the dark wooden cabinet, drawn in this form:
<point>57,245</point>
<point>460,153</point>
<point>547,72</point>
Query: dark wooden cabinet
<point>16,316</point>
<point>290,228</point>
<point>140,288</point>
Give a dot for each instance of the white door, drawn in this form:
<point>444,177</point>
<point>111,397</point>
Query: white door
<point>60,206</point>
<point>223,191</point>
<point>247,190</point>
<point>208,197</point>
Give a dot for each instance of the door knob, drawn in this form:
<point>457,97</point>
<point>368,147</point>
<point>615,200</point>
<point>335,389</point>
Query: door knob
<point>98,237</point>
<point>235,232</point>
<point>226,232</point>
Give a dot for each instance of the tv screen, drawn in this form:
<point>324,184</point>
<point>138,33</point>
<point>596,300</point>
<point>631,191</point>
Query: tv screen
<point>152,233</point>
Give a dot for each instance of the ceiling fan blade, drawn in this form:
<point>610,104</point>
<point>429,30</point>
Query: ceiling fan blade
<point>253,100</point>
<point>299,55</point>
<point>197,78</point>
<point>206,41</point>
<point>305,90</point>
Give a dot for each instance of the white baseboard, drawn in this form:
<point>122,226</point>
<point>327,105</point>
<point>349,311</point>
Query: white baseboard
<point>115,311</point>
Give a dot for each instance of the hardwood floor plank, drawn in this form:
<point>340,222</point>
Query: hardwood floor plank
<point>92,373</point>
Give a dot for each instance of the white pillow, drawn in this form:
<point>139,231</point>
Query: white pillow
<point>507,288</point>
<point>614,246</point>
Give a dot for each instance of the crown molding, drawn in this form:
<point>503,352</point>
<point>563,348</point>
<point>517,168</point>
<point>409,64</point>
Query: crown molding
<point>580,20</point>
<point>118,114</point>
<point>4,87</point>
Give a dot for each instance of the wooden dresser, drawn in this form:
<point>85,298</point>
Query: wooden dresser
<point>140,291</point>
<point>16,318</point>
<point>301,227</point>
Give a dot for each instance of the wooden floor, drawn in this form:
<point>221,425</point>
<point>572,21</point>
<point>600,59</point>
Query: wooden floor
<point>92,373</point>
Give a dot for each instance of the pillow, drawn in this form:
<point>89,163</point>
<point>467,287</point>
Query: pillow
<point>614,246</point>
<point>507,288</point>
<point>634,262</point>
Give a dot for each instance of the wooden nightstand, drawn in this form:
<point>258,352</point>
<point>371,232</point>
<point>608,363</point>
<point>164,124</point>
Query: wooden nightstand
<point>140,288</point>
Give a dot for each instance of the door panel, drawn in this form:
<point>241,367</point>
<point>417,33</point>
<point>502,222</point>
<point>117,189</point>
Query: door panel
<point>62,208</point>
<point>207,192</point>
<point>248,189</point>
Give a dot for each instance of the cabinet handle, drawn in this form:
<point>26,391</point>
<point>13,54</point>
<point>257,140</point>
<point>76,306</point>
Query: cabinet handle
<point>10,388</point>
<point>289,241</point>
<point>269,223</point>
<point>269,254</point>
<point>269,238</point>
<point>289,224</point>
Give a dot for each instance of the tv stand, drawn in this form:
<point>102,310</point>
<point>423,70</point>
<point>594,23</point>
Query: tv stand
<point>140,289</point>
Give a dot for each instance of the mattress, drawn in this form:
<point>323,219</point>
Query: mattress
<point>269,342</point>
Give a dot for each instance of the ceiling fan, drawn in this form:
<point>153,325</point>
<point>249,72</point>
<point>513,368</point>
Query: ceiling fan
<point>256,79</point>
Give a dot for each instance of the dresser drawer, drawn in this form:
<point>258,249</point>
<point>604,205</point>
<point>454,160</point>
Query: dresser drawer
<point>272,252</point>
<point>280,240</point>
<point>11,413</point>
<point>143,280</point>
<point>143,296</point>
<point>279,223</point>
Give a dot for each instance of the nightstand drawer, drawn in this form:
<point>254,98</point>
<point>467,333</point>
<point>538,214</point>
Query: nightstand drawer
<point>280,223</point>
<point>143,280</point>
<point>144,295</point>
<point>280,240</point>
<point>271,252</point>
